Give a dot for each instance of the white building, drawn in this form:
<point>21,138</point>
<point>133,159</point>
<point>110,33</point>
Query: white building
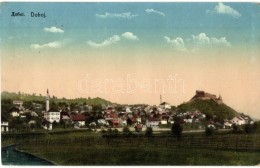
<point>52,115</point>
<point>15,114</point>
<point>188,120</point>
<point>4,126</point>
<point>128,109</point>
<point>165,105</point>
<point>34,114</point>
<point>18,104</point>
<point>153,122</point>
<point>238,120</point>
<point>227,124</point>
<point>78,120</point>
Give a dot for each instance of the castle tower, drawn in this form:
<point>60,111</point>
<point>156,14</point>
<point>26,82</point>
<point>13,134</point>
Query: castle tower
<point>220,97</point>
<point>47,101</point>
<point>219,100</point>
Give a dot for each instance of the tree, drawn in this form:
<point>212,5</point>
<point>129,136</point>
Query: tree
<point>73,105</point>
<point>103,131</point>
<point>149,132</point>
<point>28,117</point>
<point>15,123</point>
<point>53,105</point>
<point>38,123</point>
<point>62,104</point>
<point>109,131</point>
<point>54,124</point>
<point>24,126</point>
<point>115,132</point>
<point>177,129</point>
<point>62,124</point>
<point>96,108</point>
<point>126,131</point>
<point>99,115</point>
<point>173,108</point>
<point>119,108</point>
<point>256,126</point>
<point>250,128</point>
<point>209,130</point>
<point>27,104</point>
<point>236,128</point>
<point>32,126</point>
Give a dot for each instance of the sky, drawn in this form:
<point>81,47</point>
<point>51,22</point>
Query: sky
<point>132,53</point>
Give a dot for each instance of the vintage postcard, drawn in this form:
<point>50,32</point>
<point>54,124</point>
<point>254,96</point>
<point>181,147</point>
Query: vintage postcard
<point>130,83</point>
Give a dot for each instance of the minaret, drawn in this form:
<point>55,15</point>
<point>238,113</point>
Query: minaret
<point>47,101</point>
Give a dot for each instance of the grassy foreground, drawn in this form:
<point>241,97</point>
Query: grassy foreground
<point>85,155</point>
<point>69,152</point>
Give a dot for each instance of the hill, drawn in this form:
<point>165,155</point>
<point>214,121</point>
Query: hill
<point>41,99</point>
<point>209,107</point>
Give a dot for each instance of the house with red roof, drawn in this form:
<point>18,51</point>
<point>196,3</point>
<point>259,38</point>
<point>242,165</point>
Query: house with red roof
<point>152,122</point>
<point>138,127</point>
<point>78,120</point>
<point>112,119</point>
<point>64,116</point>
<point>114,123</point>
<point>164,119</point>
<point>131,120</point>
<point>123,120</point>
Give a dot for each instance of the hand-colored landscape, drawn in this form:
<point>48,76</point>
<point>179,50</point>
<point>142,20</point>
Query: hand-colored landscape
<point>92,83</point>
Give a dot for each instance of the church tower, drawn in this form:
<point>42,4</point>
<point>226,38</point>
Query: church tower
<point>47,101</point>
<point>160,99</point>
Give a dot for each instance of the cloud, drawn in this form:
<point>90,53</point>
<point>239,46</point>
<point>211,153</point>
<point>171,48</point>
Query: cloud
<point>54,44</point>
<point>54,30</point>
<point>11,38</point>
<point>112,40</point>
<point>126,15</point>
<point>154,11</point>
<point>177,43</point>
<point>200,41</point>
<point>130,36</point>
<point>221,8</point>
<point>203,39</point>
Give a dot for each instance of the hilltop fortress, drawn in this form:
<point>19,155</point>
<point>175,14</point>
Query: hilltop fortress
<point>206,96</point>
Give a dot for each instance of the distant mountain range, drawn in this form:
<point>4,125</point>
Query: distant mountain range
<point>41,98</point>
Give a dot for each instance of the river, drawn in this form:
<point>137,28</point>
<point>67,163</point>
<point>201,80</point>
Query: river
<point>10,156</point>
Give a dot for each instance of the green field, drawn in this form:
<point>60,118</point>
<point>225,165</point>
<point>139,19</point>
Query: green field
<point>88,148</point>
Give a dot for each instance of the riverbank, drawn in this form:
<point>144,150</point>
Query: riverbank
<point>11,155</point>
<point>35,155</point>
<point>7,145</point>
